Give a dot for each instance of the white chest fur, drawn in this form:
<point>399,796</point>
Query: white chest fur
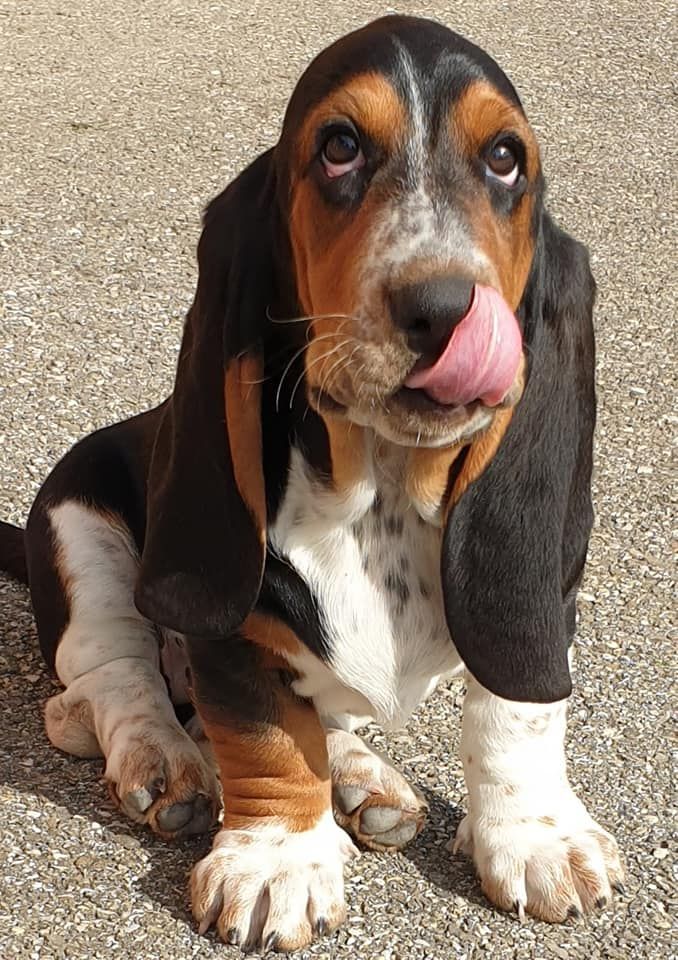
<point>373,565</point>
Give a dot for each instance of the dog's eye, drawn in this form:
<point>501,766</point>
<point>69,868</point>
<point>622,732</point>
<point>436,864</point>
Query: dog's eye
<point>502,163</point>
<point>342,153</point>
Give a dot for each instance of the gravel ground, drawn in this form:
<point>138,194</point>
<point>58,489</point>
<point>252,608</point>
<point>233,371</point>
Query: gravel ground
<point>120,120</point>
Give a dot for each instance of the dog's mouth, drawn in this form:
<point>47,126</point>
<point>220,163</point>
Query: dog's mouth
<point>448,397</point>
<point>480,360</point>
<point>417,400</point>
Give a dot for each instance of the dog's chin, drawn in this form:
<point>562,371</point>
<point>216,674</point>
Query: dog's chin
<point>441,427</point>
<point>410,418</point>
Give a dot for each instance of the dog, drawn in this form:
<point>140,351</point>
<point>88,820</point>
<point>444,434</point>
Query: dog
<point>373,473</point>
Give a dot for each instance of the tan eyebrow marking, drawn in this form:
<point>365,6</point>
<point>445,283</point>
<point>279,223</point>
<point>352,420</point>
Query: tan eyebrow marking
<point>369,100</point>
<point>481,112</point>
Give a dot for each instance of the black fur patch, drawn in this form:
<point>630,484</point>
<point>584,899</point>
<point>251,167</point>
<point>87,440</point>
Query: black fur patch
<point>515,544</point>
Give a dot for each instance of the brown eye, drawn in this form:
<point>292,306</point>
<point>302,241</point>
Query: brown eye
<point>502,163</point>
<point>342,153</point>
<point>341,148</point>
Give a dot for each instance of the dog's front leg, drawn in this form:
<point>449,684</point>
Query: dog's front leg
<point>534,845</point>
<point>274,876</point>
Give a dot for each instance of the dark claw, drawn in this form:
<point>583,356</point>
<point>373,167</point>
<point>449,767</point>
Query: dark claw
<point>601,902</point>
<point>574,912</point>
<point>271,941</point>
<point>233,937</point>
<point>322,927</point>
<point>619,888</point>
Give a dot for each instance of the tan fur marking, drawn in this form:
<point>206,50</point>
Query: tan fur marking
<point>347,450</point>
<point>367,99</point>
<point>538,725</point>
<point>328,244</point>
<point>586,878</point>
<point>484,449</point>
<point>552,910</point>
<point>428,470</point>
<point>327,281</point>
<point>242,391</point>
<point>270,633</point>
<point>480,114</point>
<point>279,771</point>
<point>480,454</point>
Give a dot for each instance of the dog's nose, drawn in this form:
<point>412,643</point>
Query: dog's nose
<point>427,312</point>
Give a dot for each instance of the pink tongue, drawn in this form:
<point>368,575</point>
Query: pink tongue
<point>481,358</point>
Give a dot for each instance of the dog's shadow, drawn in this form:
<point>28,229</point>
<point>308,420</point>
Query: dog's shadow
<point>430,853</point>
<point>29,765</point>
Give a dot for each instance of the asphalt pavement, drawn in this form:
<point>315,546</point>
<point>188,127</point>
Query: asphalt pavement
<point>118,121</point>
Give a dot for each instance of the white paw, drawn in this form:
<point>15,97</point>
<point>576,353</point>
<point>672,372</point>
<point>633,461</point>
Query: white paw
<point>555,866</point>
<point>158,776</point>
<point>371,798</point>
<point>265,887</point>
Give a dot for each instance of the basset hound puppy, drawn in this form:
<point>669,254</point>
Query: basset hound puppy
<point>373,473</point>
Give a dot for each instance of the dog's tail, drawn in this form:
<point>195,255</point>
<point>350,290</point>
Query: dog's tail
<point>13,552</point>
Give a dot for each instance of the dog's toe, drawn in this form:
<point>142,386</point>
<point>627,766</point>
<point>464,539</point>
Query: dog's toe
<point>371,799</point>
<point>375,820</point>
<point>400,835</point>
<point>138,801</point>
<point>348,798</point>
<point>194,816</point>
<point>163,780</point>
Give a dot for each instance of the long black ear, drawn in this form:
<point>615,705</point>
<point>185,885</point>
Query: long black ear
<point>515,544</point>
<point>203,555</point>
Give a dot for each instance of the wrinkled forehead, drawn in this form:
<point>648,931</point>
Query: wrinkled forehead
<point>426,66</point>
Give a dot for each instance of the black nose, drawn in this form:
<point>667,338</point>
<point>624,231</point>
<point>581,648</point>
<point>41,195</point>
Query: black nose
<point>428,312</point>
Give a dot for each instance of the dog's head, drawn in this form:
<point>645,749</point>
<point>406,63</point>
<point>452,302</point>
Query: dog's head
<point>395,246</point>
<point>411,183</point>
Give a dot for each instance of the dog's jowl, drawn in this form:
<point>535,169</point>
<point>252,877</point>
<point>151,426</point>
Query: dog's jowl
<point>373,472</point>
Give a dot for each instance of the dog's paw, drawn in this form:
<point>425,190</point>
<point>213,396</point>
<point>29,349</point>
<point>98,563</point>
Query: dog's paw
<point>159,777</point>
<point>553,867</point>
<point>371,799</point>
<point>270,889</point>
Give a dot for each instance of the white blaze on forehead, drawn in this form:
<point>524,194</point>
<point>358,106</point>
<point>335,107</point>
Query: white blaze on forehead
<point>419,224</point>
<point>414,226</point>
<point>416,147</point>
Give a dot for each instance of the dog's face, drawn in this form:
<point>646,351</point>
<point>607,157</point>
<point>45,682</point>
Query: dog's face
<point>413,183</point>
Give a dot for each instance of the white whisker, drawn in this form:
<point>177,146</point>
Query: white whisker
<point>308,317</point>
<point>325,336</point>
<point>323,356</point>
